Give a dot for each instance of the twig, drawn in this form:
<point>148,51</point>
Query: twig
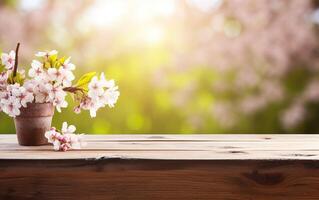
<point>16,61</point>
<point>73,89</point>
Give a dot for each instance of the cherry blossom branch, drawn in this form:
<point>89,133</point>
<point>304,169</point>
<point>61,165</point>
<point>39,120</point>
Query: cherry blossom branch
<point>16,60</point>
<point>73,89</point>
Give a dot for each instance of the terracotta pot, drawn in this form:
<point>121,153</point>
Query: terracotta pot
<point>33,122</point>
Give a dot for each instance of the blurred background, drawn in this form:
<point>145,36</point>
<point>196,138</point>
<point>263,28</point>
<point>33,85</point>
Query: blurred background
<point>182,66</point>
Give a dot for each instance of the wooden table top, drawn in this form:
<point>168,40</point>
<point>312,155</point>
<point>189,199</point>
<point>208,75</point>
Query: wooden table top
<point>160,167</point>
<point>175,147</point>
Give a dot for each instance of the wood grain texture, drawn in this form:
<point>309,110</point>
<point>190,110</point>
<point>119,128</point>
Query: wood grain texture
<point>233,167</point>
<point>172,147</point>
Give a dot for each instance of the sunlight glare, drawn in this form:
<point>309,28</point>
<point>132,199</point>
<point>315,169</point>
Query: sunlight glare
<point>154,35</point>
<point>105,13</point>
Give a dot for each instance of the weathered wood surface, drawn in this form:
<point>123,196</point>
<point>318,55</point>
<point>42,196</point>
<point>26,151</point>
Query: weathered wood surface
<point>164,167</point>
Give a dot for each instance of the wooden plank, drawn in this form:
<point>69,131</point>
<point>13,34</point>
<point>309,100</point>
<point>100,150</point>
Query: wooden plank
<point>196,137</point>
<point>159,179</point>
<point>155,167</point>
<point>174,147</point>
<point>151,146</point>
<point>162,155</point>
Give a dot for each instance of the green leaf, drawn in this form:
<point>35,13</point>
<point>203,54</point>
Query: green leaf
<point>53,59</point>
<point>84,80</point>
<point>58,63</point>
<point>17,79</point>
<point>2,67</point>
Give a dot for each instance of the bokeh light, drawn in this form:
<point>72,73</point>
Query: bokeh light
<point>182,66</point>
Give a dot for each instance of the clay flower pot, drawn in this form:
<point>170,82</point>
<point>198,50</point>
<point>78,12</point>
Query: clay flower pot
<point>33,122</point>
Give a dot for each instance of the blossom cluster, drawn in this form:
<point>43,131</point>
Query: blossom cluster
<point>47,84</point>
<point>100,93</point>
<point>13,98</point>
<point>65,139</point>
<point>50,78</point>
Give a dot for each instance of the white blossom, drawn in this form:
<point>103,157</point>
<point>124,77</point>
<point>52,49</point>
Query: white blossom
<point>95,88</point>
<point>55,74</point>
<point>66,139</point>
<point>8,60</point>
<point>67,129</point>
<point>110,96</point>
<point>56,145</point>
<point>46,53</point>
<point>67,77</point>
<point>52,135</point>
<point>36,70</point>
<point>60,103</point>
<point>67,65</point>
<point>101,92</point>
<point>11,106</point>
<point>23,95</point>
<point>3,80</point>
<point>42,94</point>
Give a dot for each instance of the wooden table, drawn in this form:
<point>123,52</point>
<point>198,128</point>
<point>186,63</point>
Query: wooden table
<point>249,167</point>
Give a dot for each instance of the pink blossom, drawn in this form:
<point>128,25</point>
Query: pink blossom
<point>66,139</point>
<point>11,106</point>
<point>36,70</point>
<point>46,53</point>
<point>8,59</point>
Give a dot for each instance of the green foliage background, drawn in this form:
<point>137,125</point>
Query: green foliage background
<point>144,106</point>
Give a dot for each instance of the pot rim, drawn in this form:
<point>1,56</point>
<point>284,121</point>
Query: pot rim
<point>36,110</point>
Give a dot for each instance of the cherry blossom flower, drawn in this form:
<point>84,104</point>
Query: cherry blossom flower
<point>3,80</point>
<point>65,146</point>
<point>101,92</point>
<point>60,103</point>
<point>23,95</point>
<point>61,76</point>
<point>67,77</point>
<point>8,59</point>
<point>55,75</point>
<point>106,83</point>
<point>65,139</point>
<point>95,88</point>
<point>68,129</point>
<point>52,135</point>
<point>110,96</point>
<point>93,109</point>
<point>55,91</point>
<point>46,53</point>
<point>56,95</point>
<point>13,87</point>
<point>42,94</point>
<point>33,86</point>
<point>11,106</point>
<point>4,95</point>
<point>36,70</point>
<point>67,65</point>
